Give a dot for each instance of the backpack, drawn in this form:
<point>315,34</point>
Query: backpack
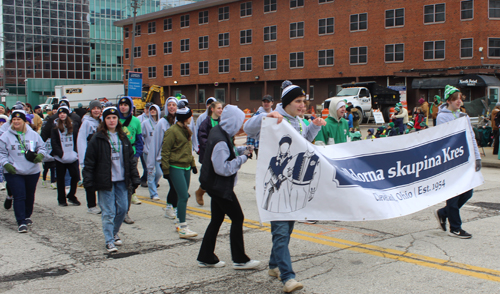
<point>356,117</point>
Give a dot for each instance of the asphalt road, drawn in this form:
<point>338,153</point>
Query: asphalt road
<point>64,251</point>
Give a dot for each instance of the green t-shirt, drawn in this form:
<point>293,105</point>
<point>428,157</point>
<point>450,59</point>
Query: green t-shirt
<point>132,130</point>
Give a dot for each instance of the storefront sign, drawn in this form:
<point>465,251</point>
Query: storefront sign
<point>468,82</point>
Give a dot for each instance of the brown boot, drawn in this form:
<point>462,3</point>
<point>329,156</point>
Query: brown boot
<point>199,196</point>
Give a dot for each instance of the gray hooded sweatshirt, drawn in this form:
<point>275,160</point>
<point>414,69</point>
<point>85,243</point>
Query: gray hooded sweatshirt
<point>252,126</point>
<point>89,127</point>
<point>11,151</point>
<point>157,141</point>
<point>445,115</point>
<point>231,120</point>
<point>148,127</point>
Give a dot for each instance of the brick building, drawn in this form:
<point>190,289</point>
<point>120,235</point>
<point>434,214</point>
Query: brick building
<point>239,51</point>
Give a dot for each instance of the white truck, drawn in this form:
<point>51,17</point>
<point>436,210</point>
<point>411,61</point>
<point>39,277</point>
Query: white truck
<point>85,93</point>
<point>366,96</point>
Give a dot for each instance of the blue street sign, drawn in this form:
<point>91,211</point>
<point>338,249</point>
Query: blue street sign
<point>135,84</point>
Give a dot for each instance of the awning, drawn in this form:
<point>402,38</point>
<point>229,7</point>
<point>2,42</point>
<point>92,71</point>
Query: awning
<point>464,81</point>
<point>434,83</point>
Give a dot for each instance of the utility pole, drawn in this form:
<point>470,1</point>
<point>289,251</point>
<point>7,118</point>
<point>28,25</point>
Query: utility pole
<point>135,5</point>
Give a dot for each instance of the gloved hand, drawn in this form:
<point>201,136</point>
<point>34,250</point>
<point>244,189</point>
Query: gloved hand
<point>194,169</point>
<point>478,165</point>
<point>39,157</point>
<point>166,176</point>
<point>10,168</point>
<point>250,155</point>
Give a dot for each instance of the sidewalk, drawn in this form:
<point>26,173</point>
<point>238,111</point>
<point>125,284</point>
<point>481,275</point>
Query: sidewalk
<point>489,160</point>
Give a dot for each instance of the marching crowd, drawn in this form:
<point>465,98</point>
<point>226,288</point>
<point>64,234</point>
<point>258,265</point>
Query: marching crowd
<point>106,143</point>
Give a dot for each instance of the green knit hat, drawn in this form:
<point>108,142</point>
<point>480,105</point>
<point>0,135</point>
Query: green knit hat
<point>399,104</point>
<point>438,98</point>
<point>448,91</point>
<point>423,124</point>
<point>410,123</point>
<point>391,124</point>
<point>397,108</point>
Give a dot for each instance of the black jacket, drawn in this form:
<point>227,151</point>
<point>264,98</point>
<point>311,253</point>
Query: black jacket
<point>47,127</point>
<point>214,184</point>
<point>203,132</point>
<point>97,164</point>
<point>55,142</point>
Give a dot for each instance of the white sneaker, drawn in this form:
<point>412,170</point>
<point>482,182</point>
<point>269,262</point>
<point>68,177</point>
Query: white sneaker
<point>155,198</point>
<point>53,186</point>
<point>67,189</point>
<point>218,264</point>
<point>292,285</point>
<point>135,200</point>
<point>94,210</point>
<point>185,232</point>
<point>170,212</point>
<point>251,264</point>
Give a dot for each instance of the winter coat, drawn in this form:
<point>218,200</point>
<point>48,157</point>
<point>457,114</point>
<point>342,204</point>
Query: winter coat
<point>176,149</point>
<point>203,132</point>
<point>97,165</point>
<point>58,150</point>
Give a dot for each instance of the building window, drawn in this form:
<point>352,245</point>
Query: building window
<point>167,24</point>
<point>167,70</point>
<point>269,6</point>
<point>434,13</point>
<point>203,17</point>
<point>127,53</point>
<point>245,37</point>
<point>297,30</point>
<point>466,48</point>
<point>152,72</point>
<point>394,53</point>
<point>325,1</point>
<point>494,47</point>
<point>137,30</point>
<point>137,52</point>
<point>151,49</point>
<point>185,21</point>
<point>167,47</point>
<point>270,62</point>
<point>358,55</point>
<point>126,32</point>
<point>395,18</point>
<point>223,65</point>
<point>151,27</point>
<point>270,33</point>
<point>296,59</point>
<point>467,9</point>
<point>494,9</point>
<point>224,13</point>
<point>296,3</point>
<point>246,9</point>
<point>359,22</point>
<point>246,64</point>
<point>184,45</point>
<point>224,40</point>
<point>326,26</point>
<point>203,42</point>
<point>185,69</point>
<point>433,50</point>
<point>203,68</point>
<point>325,57</point>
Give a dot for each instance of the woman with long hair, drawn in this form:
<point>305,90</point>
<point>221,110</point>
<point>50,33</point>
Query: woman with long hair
<point>177,163</point>
<point>63,142</point>
<point>20,164</point>
<point>154,152</point>
<point>109,169</point>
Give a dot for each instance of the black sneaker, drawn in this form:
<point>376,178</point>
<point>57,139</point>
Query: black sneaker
<point>74,201</point>
<point>441,220</point>
<point>28,221</point>
<point>111,247</point>
<point>144,184</point>
<point>63,204</point>
<point>460,234</point>
<point>8,203</point>
<point>22,229</point>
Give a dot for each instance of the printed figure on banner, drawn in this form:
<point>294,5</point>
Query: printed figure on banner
<point>290,181</point>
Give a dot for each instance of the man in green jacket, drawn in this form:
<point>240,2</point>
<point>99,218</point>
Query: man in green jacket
<point>337,127</point>
<point>132,127</point>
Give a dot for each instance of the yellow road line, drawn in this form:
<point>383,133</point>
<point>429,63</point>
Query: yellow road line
<point>422,260</point>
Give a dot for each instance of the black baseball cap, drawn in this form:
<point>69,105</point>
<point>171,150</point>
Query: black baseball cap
<point>268,97</point>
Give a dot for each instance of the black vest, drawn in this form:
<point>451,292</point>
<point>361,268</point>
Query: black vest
<point>214,184</point>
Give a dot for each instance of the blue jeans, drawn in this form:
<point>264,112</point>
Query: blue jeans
<point>24,187</point>
<point>114,206</point>
<point>280,254</point>
<point>153,177</point>
<point>452,210</point>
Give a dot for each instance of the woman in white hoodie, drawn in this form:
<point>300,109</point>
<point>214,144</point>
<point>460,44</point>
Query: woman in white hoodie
<point>21,149</point>
<point>63,141</point>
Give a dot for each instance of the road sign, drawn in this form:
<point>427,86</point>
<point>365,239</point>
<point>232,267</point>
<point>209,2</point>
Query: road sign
<point>135,84</point>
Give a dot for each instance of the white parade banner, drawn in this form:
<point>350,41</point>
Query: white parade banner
<point>363,180</point>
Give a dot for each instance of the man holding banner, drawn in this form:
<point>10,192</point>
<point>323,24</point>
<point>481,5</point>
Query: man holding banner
<point>450,111</point>
<point>293,103</point>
